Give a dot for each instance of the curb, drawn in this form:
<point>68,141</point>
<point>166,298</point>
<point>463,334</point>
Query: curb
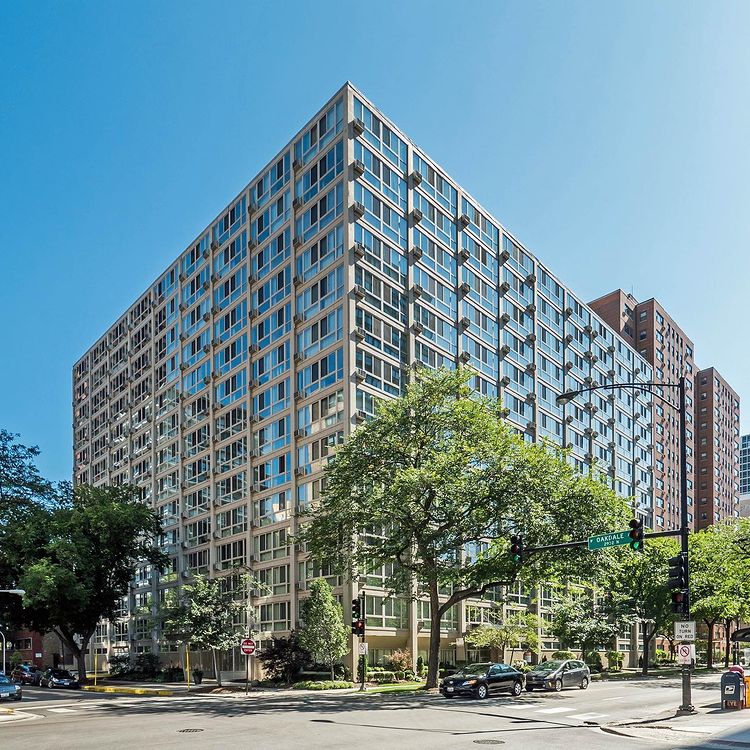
<point>126,690</point>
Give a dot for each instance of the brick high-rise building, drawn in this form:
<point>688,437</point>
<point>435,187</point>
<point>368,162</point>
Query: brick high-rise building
<point>649,329</point>
<point>222,391</point>
<point>717,480</point>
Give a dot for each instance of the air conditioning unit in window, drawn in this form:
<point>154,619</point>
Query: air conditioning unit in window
<point>530,426</point>
<point>505,413</point>
<point>504,318</point>
<point>359,334</point>
<point>530,279</point>
<point>611,373</point>
<point>182,277</point>
<point>588,458</point>
<point>611,348</point>
<point>358,292</point>
<point>531,338</point>
<point>297,203</point>
<point>531,367</point>
<point>358,167</point>
<point>464,221</point>
<point>504,349</point>
<point>358,127</point>
<point>464,288</point>
<point>464,255</point>
<point>416,216</point>
<point>185,545</point>
<point>297,280</point>
<point>568,338</point>
<point>298,395</point>
<point>360,375</point>
<point>464,357</point>
<point>504,287</point>
<point>504,381</point>
<point>416,252</point>
<point>217,566</point>
<point>359,251</point>
<point>298,434</point>
<point>300,586</point>
<point>531,308</point>
<point>504,256</point>
<point>530,398</point>
<point>569,418</point>
<point>186,574</point>
<point>297,319</point>
<point>296,164</point>
<point>360,416</point>
<point>417,291</point>
<point>416,178</point>
<point>255,593</point>
<point>464,322</point>
<point>299,472</point>
<point>298,357</point>
<point>358,209</point>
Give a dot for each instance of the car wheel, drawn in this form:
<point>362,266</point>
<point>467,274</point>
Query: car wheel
<point>584,683</point>
<point>558,685</point>
<point>515,691</point>
<point>482,692</point>
<point>529,688</point>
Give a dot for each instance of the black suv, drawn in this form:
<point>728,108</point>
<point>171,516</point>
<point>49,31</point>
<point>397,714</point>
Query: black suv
<point>481,680</point>
<point>555,675</point>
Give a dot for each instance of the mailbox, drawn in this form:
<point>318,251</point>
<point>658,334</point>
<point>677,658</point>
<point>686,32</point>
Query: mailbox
<point>732,690</point>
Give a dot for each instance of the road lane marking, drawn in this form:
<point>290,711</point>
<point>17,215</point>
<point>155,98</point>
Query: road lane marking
<point>617,698</point>
<point>556,710</point>
<point>522,706</point>
<point>62,710</point>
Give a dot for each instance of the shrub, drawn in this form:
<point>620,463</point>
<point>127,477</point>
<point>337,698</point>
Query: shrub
<point>594,660</point>
<point>400,660</point>
<point>119,665</point>
<point>322,685</point>
<point>283,658</point>
<point>521,666</point>
<point>420,666</point>
<point>147,664</point>
<point>563,655</point>
<point>614,659</point>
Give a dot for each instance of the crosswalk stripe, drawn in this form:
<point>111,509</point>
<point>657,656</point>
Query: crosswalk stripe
<point>617,698</point>
<point>522,706</point>
<point>62,710</point>
<point>556,710</point>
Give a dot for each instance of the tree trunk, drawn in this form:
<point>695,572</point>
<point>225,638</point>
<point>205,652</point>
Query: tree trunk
<point>710,644</point>
<point>434,652</point>
<point>727,641</point>
<point>333,676</point>
<point>646,643</point>
<point>217,671</point>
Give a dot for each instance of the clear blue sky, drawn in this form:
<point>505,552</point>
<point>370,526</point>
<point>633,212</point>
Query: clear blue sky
<point>611,138</point>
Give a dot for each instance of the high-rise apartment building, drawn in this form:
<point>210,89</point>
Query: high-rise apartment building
<point>745,465</point>
<point>717,415</point>
<point>223,390</point>
<point>647,327</point>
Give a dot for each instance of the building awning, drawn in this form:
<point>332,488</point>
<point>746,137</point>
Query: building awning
<point>743,634</point>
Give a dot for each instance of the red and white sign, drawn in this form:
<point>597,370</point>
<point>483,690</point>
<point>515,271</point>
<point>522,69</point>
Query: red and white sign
<point>248,646</point>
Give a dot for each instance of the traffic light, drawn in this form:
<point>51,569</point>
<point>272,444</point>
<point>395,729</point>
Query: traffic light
<point>516,548</point>
<point>636,534</point>
<point>678,583</point>
<point>356,615</point>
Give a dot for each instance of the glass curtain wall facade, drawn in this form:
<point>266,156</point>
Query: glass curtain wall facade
<point>224,390</point>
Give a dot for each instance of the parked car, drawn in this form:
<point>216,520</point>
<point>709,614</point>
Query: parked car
<point>26,674</point>
<point>558,674</point>
<point>481,680</point>
<point>53,678</point>
<point>9,690</point>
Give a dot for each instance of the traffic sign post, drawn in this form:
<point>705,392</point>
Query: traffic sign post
<point>612,539</point>
<point>248,647</point>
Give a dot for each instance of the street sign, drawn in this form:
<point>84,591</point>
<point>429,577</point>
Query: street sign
<point>248,646</point>
<point>685,653</point>
<point>684,631</point>
<point>362,649</point>
<point>613,539</point>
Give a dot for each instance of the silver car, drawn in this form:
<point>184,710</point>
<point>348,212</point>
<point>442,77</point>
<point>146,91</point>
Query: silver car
<point>558,674</point>
<point>9,690</point>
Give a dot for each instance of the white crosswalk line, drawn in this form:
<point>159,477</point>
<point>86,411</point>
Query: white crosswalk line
<point>62,710</point>
<point>617,698</point>
<point>556,710</point>
<point>522,706</point>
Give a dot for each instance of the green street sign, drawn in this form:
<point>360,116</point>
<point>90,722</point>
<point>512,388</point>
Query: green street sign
<point>613,539</point>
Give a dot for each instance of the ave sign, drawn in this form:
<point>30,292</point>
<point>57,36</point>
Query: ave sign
<point>613,539</point>
<point>248,646</point>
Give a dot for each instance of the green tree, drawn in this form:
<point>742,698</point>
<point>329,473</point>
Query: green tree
<point>519,630</point>
<point>643,578</point>
<point>719,577</point>
<point>83,569</point>
<point>432,488</point>
<point>578,622</point>
<point>324,633</point>
<point>205,614</point>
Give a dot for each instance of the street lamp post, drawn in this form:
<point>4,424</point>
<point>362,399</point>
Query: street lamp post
<point>687,702</point>
<point>16,592</point>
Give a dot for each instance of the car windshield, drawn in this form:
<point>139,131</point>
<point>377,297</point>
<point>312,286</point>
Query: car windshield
<point>62,673</point>
<point>474,669</point>
<point>550,666</point>
<point>4,680</point>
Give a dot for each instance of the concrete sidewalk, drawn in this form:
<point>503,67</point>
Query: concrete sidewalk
<point>710,728</point>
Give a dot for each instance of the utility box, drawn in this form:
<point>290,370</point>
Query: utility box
<point>732,690</point>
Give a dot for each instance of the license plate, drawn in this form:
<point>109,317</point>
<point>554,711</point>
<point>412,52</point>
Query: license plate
<point>449,689</point>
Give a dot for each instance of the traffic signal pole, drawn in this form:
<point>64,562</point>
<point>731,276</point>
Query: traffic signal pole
<point>687,698</point>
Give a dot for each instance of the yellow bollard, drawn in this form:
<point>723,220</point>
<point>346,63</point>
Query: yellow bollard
<point>96,663</point>
<point>187,661</point>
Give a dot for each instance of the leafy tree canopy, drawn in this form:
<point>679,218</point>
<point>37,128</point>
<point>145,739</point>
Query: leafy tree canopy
<point>324,633</point>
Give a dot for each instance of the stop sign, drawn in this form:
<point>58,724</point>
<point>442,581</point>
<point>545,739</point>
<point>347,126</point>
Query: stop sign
<point>248,646</point>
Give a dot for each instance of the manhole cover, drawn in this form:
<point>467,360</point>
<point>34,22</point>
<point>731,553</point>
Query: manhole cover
<point>489,742</point>
<point>183,731</point>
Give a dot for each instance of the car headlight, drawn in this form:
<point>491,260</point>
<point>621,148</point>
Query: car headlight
<point>470,682</point>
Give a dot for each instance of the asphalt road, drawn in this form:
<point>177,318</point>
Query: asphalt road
<point>76,721</point>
